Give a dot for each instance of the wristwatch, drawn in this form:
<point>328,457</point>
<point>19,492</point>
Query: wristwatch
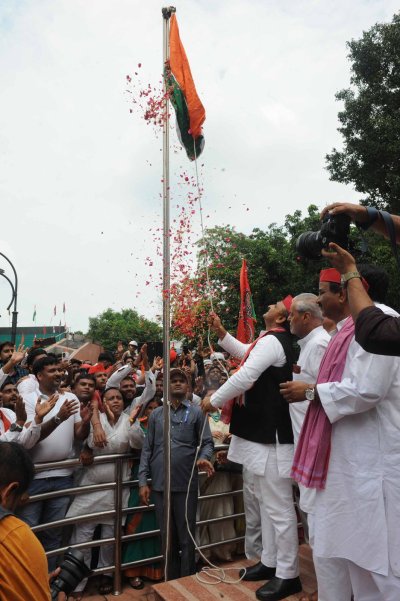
<point>345,277</point>
<point>310,394</point>
<point>16,428</point>
<point>57,420</point>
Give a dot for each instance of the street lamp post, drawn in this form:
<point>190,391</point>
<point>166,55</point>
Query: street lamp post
<point>14,288</point>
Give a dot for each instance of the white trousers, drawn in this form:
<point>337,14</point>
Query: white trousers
<point>338,577</point>
<point>278,520</point>
<point>84,533</point>
<point>253,537</point>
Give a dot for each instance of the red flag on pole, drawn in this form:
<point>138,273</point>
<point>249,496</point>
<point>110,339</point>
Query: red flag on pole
<point>247,317</point>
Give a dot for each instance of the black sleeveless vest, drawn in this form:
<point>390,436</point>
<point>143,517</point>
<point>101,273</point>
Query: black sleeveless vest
<point>265,416</point>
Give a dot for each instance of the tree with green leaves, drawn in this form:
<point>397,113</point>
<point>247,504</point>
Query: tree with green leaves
<point>274,271</point>
<point>370,120</point>
<point>111,326</point>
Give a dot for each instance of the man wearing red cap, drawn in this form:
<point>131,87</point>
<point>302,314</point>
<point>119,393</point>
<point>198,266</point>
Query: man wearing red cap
<point>349,452</point>
<point>262,440</point>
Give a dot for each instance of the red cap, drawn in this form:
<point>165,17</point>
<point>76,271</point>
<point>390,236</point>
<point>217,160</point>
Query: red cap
<point>172,355</point>
<point>330,275</point>
<point>95,369</point>
<point>287,301</point>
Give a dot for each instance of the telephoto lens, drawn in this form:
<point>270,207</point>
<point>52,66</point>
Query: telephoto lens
<point>334,228</point>
<point>73,570</point>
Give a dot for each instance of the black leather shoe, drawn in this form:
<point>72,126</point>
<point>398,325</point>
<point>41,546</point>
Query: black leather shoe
<point>279,588</point>
<point>258,572</point>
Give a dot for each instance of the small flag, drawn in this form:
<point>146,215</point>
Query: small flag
<point>64,307</point>
<point>190,113</point>
<point>247,317</point>
<point>55,310</point>
<point>34,314</point>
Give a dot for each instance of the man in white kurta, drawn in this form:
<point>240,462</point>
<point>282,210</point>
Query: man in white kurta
<point>306,323</point>
<point>269,463</point>
<point>357,515</point>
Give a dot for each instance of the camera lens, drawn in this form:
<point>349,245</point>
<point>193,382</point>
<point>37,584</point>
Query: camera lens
<point>73,570</point>
<point>309,245</point>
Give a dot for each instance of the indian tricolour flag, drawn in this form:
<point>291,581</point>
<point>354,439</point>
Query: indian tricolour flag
<point>190,113</point>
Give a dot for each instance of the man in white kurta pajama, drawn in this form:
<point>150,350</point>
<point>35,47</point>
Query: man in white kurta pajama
<point>357,514</point>
<point>269,462</point>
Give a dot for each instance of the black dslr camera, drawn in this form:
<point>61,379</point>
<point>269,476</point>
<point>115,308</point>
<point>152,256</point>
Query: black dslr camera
<point>73,570</point>
<point>334,228</point>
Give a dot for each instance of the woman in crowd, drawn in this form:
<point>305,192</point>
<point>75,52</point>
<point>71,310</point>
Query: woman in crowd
<point>142,522</point>
<point>121,436</point>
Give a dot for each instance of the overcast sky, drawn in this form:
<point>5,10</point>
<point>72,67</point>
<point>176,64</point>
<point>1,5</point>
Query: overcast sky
<point>80,176</point>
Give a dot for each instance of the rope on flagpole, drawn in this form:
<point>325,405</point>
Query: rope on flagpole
<point>214,574</point>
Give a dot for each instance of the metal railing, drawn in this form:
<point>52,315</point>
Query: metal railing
<point>117,514</point>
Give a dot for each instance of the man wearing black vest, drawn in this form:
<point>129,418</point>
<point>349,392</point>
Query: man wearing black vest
<point>262,440</point>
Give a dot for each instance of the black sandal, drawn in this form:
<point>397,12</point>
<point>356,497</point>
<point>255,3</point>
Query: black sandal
<point>105,586</point>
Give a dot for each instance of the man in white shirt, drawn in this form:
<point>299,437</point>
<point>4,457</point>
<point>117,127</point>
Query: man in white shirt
<point>263,441</point>
<point>12,422</point>
<point>306,323</point>
<point>60,426</point>
<point>357,514</point>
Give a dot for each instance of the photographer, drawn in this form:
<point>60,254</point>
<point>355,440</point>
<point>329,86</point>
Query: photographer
<point>24,575</point>
<point>375,331</point>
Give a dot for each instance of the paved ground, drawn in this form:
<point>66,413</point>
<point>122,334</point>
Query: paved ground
<point>189,589</point>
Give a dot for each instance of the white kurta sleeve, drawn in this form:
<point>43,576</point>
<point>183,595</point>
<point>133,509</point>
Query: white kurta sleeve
<point>147,394</point>
<point>29,436</point>
<point>28,385</point>
<point>268,351</point>
<point>367,379</point>
<point>233,346</point>
<point>116,378</point>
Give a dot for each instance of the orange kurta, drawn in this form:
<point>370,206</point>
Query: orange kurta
<point>24,573</point>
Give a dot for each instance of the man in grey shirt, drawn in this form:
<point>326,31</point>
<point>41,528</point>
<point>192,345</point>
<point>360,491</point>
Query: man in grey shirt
<point>186,426</point>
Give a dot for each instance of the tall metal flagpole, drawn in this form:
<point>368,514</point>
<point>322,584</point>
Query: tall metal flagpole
<point>166,13</point>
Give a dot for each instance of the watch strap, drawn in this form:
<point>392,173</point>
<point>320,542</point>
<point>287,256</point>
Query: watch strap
<point>349,276</point>
<point>373,215</point>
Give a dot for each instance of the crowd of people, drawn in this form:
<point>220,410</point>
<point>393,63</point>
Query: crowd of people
<point>314,400</point>
<point>61,409</point>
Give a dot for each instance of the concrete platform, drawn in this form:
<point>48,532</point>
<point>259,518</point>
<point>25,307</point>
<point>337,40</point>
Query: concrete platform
<point>190,589</point>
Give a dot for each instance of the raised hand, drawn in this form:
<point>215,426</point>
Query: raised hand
<point>43,407</point>
<point>198,385</point>
<point>206,405</point>
<point>134,413</point>
<point>86,413</point>
<point>68,408</point>
<point>339,258</point>
<point>355,212</point>
<point>157,364</point>
<point>109,413</point>
<point>20,411</point>
<point>17,355</point>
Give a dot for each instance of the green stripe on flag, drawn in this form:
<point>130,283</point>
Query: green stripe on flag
<point>178,101</point>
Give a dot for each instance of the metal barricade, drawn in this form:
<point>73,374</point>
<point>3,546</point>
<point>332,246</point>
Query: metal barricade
<point>117,514</point>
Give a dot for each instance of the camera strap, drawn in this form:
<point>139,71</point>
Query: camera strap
<point>392,234</point>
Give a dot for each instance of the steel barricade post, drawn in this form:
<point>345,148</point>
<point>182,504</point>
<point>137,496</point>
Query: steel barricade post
<point>118,528</point>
